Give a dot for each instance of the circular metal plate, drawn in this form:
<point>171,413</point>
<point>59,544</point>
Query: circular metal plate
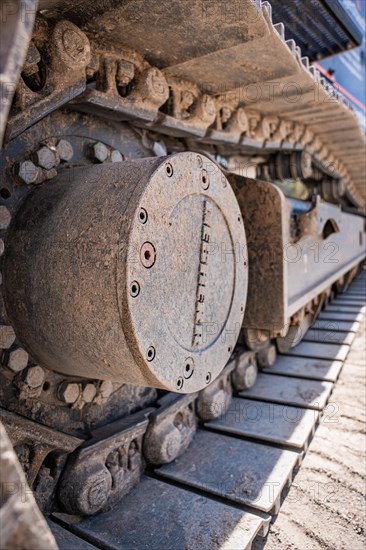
<point>187,258</point>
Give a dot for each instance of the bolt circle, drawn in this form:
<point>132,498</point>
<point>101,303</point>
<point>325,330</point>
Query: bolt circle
<point>147,255</point>
<point>180,383</point>
<point>208,378</point>
<point>134,289</point>
<point>205,179</point>
<point>150,354</point>
<point>169,170</point>
<point>143,215</point>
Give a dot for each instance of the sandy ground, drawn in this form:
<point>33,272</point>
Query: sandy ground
<point>325,507</point>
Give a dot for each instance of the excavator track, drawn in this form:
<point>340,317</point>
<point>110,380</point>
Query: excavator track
<point>238,466</point>
<point>171,324</point>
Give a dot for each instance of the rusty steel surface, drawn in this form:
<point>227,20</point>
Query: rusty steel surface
<point>138,521</point>
<point>135,271</point>
<point>122,273</point>
<point>297,256</point>
<point>191,88</point>
<point>118,450</point>
<point>264,210</point>
<point>33,442</point>
<point>105,468</point>
<point>171,428</point>
<point>22,524</point>
<point>16,25</point>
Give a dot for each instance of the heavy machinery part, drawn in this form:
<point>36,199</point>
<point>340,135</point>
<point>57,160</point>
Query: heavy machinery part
<point>249,456</point>
<point>298,257</point>
<point>300,324</point>
<point>107,250</point>
<point>106,467</point>
<point>246,371</point>
<point>306,22</point>
<point>192,87</point>
<point>22,524</point>
<point>42,452</point>
<point>109,464</point>
<point>266,357</point>
<point>171,428</point>
<point>214,400</point>
<point>267,234</point>
<point>16,25</point>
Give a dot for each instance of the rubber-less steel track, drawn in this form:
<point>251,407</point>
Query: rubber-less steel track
<point>224,490</point>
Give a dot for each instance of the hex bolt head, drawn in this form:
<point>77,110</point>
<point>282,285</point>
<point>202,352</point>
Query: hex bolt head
<point>5,217</point>
<point>46,157</point>
<point>89,392</point>
<point>17,360</point>
<point>106,389</point>
<point>35,377</point>
<point>65,150</point>
<point>28,172</point>
<point>116,156</point>
<point>68,392</point>
<point>100,151</point>
<point>7,336</point>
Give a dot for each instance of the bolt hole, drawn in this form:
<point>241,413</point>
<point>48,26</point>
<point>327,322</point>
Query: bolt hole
<point>229,349</point>
<point>242,309</point>
<point>245,263</point>
<point>147,255</point>
<point>150,353</point>
<point>143,215</point>
<point>5,193</point>
<point>239,219</point>
<point>205,180</point>
<point>135,289</point>
<point>188,368</point>
<point>208,378</point>
<point>46,386</point>
<point>169,170</point>
<point>180,383</point>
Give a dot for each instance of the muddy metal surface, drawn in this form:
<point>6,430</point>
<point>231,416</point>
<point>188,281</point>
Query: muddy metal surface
<point>325,507</point>
<point>238,471</point>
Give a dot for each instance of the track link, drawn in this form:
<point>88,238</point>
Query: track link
<point>237,468</point>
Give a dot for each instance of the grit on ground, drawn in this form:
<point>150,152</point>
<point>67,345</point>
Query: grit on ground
<point>325,507</point>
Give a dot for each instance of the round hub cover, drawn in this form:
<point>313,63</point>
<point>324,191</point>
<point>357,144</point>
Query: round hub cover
<point>186,272</point>
<point>134,272</point>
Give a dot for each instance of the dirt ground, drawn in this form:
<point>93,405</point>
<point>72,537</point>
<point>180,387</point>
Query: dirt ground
<point>325,507</point>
